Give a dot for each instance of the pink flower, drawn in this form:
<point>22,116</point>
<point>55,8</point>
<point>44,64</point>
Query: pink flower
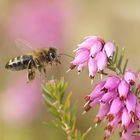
<point>89,42</point>
<point>96,47</point>
<point>128,134</point>
<point>104,108</point>
<point>123,89</point>
<point>112,82</point>
<point>126,119</point>
<point>81,58</point>
<point>118,105</point>
<point>92,66</point>
<point>130,77</point>
<point>114,109</point>
<point>101,59</point>
<point>131,102</point>
<point>95,53</point>
<point>109,96</point>
<point>109,48</point>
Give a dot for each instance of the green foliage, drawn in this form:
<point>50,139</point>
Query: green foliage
<point>115,63</point>
<point>61,109</point>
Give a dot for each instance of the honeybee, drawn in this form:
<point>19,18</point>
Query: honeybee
<point>35,60</point>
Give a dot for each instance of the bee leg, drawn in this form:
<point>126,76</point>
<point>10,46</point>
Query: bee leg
<point>38,65</point>
<point>30,76</point>
<point>31,72</point>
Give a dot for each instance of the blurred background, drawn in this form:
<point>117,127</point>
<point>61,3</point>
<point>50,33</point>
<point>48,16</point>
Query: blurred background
<point>61,24</point>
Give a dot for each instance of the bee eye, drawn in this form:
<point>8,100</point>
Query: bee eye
<point>52,55</point>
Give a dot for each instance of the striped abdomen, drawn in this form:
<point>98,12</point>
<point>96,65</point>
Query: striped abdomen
<point>18,63</point>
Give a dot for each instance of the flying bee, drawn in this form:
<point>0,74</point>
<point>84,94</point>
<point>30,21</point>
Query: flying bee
<point>35,60</point>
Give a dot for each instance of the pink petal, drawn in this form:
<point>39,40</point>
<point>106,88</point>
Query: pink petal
<point>114,123</point>
<point>131,102</point>
<point>101,61</point>
<point>81,67</point>
<point>114,109</point>
<point>96,47</point>
<point>109,48</point>
<point>127,135</point>
<point>88,42</point>
<point>92,66</point>
<point>104,109</point>
<point>130,77</point>
<point>112,82</point>
<point>107,97</point>
<point>126,119</point>
<point>82,57</point>
<point>95,101</point>
<point>123,89</point>
<point>97,90</point>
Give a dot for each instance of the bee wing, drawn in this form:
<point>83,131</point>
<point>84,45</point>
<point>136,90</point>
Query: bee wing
<point>23,45</point>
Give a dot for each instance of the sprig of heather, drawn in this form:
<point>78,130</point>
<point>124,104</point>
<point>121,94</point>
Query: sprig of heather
<point>117,95</point>
<point>119,105</point>
<point>63,112</point>
<point>96,54</point>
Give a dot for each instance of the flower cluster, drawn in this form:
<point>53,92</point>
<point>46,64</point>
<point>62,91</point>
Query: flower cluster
<point>94,52</point>
<point>118,104</point>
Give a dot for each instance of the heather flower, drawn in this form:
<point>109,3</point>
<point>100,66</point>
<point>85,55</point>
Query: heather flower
<point>130,77</point>
<point>101,59</point>
<point>92,66</point>
<point>109,48</point>
<point>81,58</point>
<point>118,104</point>
<point>123,89</point>
<point>126,119</point>
<point>94,52</point>
<point>115,107</point>
<point>112,82</point>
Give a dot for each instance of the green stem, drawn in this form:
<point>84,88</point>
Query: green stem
<point>64,113</point>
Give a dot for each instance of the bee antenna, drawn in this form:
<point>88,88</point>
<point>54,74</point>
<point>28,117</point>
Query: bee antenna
<point>66,55</point>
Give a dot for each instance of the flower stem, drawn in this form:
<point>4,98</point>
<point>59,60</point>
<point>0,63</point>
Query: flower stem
<point>64,113</point>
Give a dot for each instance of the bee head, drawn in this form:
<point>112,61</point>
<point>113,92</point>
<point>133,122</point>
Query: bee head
<point>52,55</point>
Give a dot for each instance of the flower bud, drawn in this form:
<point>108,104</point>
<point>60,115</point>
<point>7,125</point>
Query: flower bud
<point>109,48</point>
<point>112,82</point>
<point>92,67</point>
<point>96,47</point>
<point>82,57</point>
<point>123,89</point>
<point>101,61</point>
<point>130,77</point>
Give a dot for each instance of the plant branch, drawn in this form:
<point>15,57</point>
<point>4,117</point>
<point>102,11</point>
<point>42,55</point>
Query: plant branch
<point>65,115</point>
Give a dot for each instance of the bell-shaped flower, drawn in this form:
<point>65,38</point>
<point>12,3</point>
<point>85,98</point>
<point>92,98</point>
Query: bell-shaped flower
<point>126,119</point>
<point>109,48</point>
<point>104,108</point>
<point>96,47</point>
<point>130,77</point>
<point>101,61</point>
<point>123,89</point>
<point>82,57</point>
<point>131,102</point>
<point>92,66</point>
<point>112,82</point>
<point>114,109</point>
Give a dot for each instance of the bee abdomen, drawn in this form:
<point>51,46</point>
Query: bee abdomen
<point>18,63</point>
